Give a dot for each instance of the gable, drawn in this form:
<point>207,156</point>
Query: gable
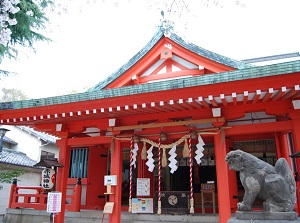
<point>165,58</point>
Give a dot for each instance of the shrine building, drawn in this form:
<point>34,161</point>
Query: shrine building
<point>157,130</point>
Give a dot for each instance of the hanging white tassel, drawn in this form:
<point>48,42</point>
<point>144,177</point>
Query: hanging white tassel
<point>199,150</point>
<point>150,162</point>
<point>134,151</point>
<point>172,160</point>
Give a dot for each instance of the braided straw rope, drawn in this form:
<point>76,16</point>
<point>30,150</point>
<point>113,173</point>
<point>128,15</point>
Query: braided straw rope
<point>169,146</point>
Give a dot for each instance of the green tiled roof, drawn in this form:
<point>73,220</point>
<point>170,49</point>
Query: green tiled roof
<point>243,74</point>
<point>190,46</point>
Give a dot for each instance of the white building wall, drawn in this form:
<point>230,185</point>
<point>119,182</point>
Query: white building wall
<point>27,143</point>
<point>31,146</point>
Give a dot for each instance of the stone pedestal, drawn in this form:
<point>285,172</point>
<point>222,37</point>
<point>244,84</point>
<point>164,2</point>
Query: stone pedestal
<point>264,217</point>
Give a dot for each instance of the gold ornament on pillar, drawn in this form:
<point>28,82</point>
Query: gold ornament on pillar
<point>185,151</point>
<point>163,137</point>
<point>136,138</point>
<point>112,145</point>
<point>164,161</point>
<point>144,151</point>
<point>194,135</point>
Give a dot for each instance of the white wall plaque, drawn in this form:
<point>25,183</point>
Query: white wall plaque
<point>112,179</point>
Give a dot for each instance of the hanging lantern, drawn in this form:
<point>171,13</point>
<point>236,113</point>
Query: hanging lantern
<point>163,136</point>
<point>136,138</point>
<point>48,178</point>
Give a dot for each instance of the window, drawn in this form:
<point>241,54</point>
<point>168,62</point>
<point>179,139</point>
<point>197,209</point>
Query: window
<point>78,163</point>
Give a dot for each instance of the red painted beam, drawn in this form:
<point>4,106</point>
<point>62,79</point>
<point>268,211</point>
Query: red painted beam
<point>283,126</point>
<point>89,141</point>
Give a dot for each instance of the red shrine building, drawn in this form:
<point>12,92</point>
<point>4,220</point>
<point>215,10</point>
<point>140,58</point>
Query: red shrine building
<point>159,129</point>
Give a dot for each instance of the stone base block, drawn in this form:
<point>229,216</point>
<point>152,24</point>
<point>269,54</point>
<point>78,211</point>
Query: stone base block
<point>234,220</point>
<point>263,216</point>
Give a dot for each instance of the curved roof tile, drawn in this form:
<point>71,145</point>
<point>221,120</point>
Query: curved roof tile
<point>17,158</point>
<point>43,136</point>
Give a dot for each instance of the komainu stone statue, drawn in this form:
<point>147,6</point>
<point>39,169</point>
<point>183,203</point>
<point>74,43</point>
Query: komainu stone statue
<point>274,185</point>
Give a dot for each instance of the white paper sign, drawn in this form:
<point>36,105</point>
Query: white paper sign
<point>54,202</point>
<point>143,187</point>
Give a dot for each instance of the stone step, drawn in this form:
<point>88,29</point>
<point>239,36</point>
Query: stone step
<point>148,218</point>
<point>33,216</point>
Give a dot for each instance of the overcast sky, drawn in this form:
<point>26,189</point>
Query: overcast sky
<point>92,41</point>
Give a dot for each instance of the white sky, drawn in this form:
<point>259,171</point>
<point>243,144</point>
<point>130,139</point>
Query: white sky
<point>91,43</point>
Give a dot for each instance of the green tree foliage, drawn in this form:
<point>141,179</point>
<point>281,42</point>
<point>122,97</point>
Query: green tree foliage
<point>31,18</point>
<point>6,176</point>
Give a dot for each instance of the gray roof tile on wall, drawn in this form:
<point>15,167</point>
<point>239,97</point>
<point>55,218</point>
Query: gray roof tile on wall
<point>43,136</point>
<point>9,140</point>
<point>17,158</point>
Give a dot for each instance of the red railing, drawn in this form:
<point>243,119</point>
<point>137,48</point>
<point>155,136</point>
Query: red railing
<point>73,197</point>
<point>35,197</point>
<point>37,200</point>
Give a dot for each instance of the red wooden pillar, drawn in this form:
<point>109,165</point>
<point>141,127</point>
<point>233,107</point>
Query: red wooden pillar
<point>62,176</point>
<point>116,169</point>
<point>296,140</point>
<point>233,187</point>
<point>13,190</point>
<point>278,145</point>
<point>77,195</point>
<point>222,176</point>
<point>284,148</point>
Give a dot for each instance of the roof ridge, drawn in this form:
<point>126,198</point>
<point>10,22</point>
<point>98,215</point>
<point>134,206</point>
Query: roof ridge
<point>44,136</point>
<point>177,39</point>
<point>14,151</point>
<point>129,63</point>
<point>9,140</point>
<point>210,54</point>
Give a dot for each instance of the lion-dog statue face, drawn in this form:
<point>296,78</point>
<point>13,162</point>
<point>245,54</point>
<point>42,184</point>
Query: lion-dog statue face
<point>235,161</point>
<point>275,185</point>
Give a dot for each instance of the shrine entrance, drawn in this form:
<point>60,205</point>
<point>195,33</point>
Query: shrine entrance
<point>177,184</point>
<point>172,184</point>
